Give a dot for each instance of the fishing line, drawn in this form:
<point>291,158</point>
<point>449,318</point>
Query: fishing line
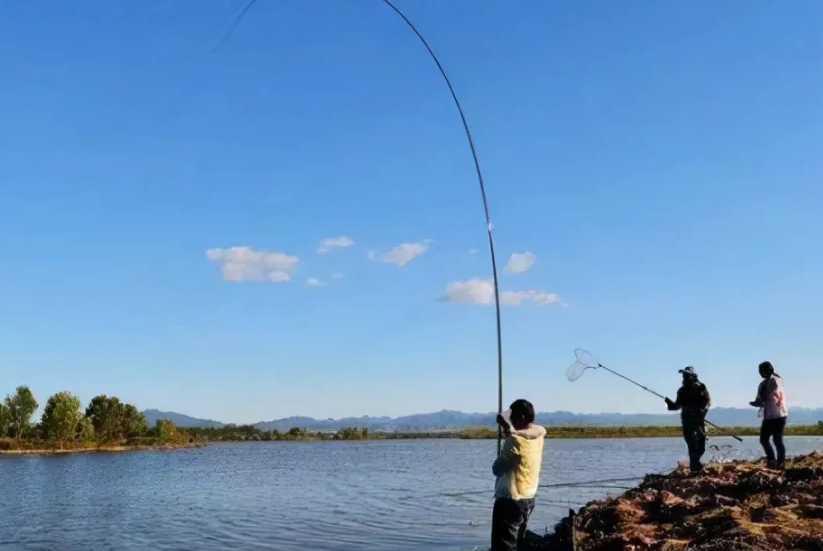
<point>594,484</point>
<point>233,27</point>
<point>480,182</point>
<point>397,328</point>
<point>402,320</point>
<point>485,211</point>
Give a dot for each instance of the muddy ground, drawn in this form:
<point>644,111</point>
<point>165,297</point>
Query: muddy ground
<point>733,506</point>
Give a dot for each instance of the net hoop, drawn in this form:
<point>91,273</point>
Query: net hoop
<point>576,370</point>
<point>586,358</point>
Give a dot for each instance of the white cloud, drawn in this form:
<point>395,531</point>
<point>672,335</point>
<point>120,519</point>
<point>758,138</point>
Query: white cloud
<point>481,291</point>
<point>519,262</point>
<point>334,243</point>
<point>473,251</point>
<point>247,264</point>
<point>401,254</point>
<point>314,282</point>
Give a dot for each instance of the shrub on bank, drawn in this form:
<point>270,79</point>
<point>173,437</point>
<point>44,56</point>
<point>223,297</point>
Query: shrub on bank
<point>65,425</point>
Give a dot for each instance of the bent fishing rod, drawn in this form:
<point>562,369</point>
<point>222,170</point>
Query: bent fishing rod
<point>489,228</point>
<point>480,183</point>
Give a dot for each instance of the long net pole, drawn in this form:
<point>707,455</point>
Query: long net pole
<point>647,389</point>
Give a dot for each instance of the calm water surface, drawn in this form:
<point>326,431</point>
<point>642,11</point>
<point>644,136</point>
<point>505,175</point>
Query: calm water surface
<point>341,496</point>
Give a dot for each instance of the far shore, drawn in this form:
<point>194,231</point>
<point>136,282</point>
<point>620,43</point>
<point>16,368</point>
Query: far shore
<point>247,433</point>
<point>23,450</point>
<point>195,437</point>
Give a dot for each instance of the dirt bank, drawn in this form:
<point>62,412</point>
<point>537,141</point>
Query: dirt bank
<point>53,451</point>
<point>735,506</point>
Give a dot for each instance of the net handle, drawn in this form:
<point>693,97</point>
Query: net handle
<point>599,365</point>
<point>647,389</point>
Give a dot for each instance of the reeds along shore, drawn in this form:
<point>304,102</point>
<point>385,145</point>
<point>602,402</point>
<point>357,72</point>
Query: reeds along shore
<point>731,506</point>
<point>169,435</point>
<point>23,447</point>
<point>242,433</point>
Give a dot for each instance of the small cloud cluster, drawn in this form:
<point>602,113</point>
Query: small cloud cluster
<point>327,245</point>
<point>519,262</point>
<point>332,243</point>
<point>401,254</point>
<point>315,282</point>
<point>248,264</point>
<point>481,291</point>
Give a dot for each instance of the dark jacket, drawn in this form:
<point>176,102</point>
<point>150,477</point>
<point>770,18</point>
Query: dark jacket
<point>693,401</point>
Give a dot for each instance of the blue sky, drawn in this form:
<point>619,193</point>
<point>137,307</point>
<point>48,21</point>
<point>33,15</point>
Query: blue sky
<point>660,161</point>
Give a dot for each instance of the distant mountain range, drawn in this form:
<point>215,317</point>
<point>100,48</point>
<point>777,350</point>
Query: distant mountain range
<point>180,420</point>
<point>444,420</point>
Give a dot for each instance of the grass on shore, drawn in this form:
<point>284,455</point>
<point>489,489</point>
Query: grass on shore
<point>193,437</point>
<point>583,431</point>
<point>249,433</point>
<point>12,446</point>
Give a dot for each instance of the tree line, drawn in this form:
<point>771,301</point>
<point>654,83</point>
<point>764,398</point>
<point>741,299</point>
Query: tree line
<point>64,420</point>
<point>250,433</point>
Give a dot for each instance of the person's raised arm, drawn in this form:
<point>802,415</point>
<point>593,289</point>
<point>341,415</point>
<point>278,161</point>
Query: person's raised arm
<point>678,403</point>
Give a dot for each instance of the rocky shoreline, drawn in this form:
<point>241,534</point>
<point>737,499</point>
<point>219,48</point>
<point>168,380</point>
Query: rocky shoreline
<point>731,506</point>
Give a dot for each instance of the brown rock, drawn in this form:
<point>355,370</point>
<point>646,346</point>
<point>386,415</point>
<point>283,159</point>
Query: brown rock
<point>810,511</point>
<point>809,543</point>
<point>736,506</point>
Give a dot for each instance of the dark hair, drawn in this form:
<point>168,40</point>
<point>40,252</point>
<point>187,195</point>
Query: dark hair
<point>767,368</point>
<point>522,411</point>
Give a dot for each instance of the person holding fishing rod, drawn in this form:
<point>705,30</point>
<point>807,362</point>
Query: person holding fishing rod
<point>773,408</point>
<point>693,400</point>
<point>517,469</point>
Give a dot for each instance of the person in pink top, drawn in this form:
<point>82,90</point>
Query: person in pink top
<point>775,410</point>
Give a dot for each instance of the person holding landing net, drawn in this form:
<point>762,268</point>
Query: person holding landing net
<point>693,401</point>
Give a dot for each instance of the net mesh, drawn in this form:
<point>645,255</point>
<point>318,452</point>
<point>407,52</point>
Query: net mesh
<point>586,358</point>
<point>576,370</point>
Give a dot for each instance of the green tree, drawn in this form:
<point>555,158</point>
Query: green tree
<point>21,406</point>
<point>106,414</point>
<point>61,416</point>
<point>133,423</point>
<point>164,429</point>
<point>85,430</point>
<point>4,420</point>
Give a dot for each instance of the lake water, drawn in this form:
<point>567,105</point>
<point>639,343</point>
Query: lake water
<point>341,496</point>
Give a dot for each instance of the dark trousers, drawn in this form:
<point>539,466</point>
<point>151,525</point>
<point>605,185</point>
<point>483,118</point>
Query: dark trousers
<point>694,433</point>
<point>509,518</point>
<point>773,429</point>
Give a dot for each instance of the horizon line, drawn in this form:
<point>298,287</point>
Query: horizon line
<point>488,413</point>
